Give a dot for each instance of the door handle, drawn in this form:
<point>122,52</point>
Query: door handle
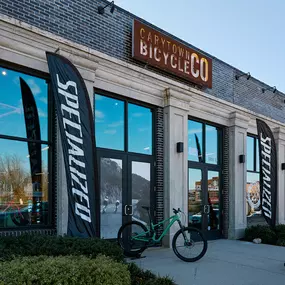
<point>128,210</point>
<point>206,209</point>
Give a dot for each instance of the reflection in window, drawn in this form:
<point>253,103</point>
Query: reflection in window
<point>257,156</point>
<point>139,129</point>
<point>211,145</point>
<point>213,199</point>
<point>111,179</point>
<point>250,153</point>
<point>109,122</point>
<point>253,199</point>
<point>195,141</point>
<point>23,199</point>
<point>195,197</point>
<point>12,121</point>
<point>140,190</point>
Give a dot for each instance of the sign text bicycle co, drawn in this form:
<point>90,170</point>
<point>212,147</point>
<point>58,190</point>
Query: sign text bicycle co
<point>161,51</point>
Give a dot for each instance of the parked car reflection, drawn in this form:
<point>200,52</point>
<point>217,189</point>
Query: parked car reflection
<point>17,215</point>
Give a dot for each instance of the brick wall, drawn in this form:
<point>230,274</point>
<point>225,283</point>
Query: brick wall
<point>111,34</point>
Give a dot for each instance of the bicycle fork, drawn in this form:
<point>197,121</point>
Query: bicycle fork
<point>183,233</point>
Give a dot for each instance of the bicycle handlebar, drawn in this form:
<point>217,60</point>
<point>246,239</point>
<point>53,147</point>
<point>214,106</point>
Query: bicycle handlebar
<point>176,211</point>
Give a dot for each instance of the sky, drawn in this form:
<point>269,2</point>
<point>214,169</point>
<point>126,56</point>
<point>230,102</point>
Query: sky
<point>247,34</point>
<point>12,120</point>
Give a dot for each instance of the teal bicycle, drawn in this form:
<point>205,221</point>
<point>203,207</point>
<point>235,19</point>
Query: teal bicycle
<point>189,243</point>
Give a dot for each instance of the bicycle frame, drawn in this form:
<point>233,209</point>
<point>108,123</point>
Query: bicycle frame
<point>141,237</point>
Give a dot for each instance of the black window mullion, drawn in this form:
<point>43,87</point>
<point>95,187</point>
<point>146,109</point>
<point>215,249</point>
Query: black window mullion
<point>204,143</point>
<point>23,139</point>
<point>126,131</point>
<point>254,154</point>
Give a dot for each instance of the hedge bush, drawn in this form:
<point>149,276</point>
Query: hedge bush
<point>146,277</point>
<point>43,270</point>
<point>265,233</point>
<point>35,245</point>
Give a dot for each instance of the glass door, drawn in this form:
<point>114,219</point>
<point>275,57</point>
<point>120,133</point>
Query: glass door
<point>204,201</point>
<point>112,177</point>
<point>213,204</point>
<point>140,185</point>
<point>196,198</point>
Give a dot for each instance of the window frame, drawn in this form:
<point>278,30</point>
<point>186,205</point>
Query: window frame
<point>219,163</point>
<point>125,154</point>
<point>50,142</point>
<point>255,164</point>
<point>127,100</point>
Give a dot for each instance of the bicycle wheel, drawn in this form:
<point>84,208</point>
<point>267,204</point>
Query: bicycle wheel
<point>131,246</point>
<point>189,244</point>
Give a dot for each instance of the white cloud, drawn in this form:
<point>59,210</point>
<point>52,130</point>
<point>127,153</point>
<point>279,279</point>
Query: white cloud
<point>116,124</point>
<point>99,114</point>
<point>34,87</point>
<point>43,99</point>
<point>110,132</point>
<point>199,131</point>
<point>137,115</point>
<point>143,129</point>
<point>12,110</point>
<point>194,131</point>
<point>42,113</point>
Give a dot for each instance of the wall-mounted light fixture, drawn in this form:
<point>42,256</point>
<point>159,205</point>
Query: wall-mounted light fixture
<point>241,158</point>
<point>283,166</point>
<point>179,147</point>
<point>274,89</point>
<point>245,74</point>
<point>101,9</point>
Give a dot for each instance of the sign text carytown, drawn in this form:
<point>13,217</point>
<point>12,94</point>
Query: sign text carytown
<point>161,51</point>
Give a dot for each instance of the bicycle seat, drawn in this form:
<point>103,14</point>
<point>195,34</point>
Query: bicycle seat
<point>145,207</point>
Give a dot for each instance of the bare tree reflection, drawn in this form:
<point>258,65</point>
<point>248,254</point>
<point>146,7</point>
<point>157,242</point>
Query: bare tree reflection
<point>13,179</point>
<point>17,192</point>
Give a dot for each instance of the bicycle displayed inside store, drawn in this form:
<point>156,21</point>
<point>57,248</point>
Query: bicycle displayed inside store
<point>189,243</point>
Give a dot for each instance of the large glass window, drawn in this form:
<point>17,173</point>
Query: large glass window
<point>140,129</point>
<point>202,142</point>
<point>211,144</point>
<point>109,122</point>
<point>124,137</point>
<point>195,141</point>
<point>253,201</point>
<point>204,172</point>
<point>24,175</point>
<point>12,120</point>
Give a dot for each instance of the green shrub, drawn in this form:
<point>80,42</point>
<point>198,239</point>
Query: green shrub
<point>35,245</point>
<point>267,235</point>
<point>43,270</point>
<point>280,229</point>
<point>146,277</point>
<point>280,242</point>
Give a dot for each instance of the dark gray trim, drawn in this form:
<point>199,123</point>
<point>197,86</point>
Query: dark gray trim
<point>159,193</point>
<point>225,190</point>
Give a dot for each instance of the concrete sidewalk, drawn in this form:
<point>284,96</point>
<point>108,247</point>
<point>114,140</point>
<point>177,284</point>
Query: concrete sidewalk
<point>227,262</point>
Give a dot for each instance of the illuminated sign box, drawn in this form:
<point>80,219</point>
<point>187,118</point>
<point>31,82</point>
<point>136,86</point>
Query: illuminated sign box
<point>163,52</point>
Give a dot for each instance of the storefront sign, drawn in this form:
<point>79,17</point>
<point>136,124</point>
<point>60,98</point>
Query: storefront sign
<point>268,172</point>
<point>156,49</point>
<point>76,127</point>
